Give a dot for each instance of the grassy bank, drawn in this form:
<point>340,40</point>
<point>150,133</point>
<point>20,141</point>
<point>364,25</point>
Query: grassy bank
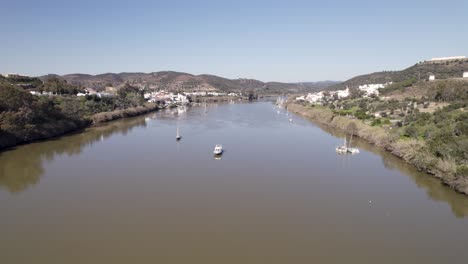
<point>413,151</point>
<point>128,112</point>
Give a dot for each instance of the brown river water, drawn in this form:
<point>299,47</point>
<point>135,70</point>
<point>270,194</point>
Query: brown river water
<point>127,192</point>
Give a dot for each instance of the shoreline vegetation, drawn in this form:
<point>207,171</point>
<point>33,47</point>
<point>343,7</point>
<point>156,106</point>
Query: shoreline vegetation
<point>26,118</point>
<point>412,150</point>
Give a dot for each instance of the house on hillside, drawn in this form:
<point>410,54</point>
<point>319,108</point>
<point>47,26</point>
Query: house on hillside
<point>465,75</point>
<point>372,89</point>
<point>448,58</point>
<point>343,93</point>
<point>300,98</point>
<point>432,77</point>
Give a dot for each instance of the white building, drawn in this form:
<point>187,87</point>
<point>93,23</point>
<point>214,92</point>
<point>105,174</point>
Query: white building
<point>300,98</point>
<point>181,98</point>
<point>432,77</point>
<point>314,97</point>
<point>216,94</point>
<point>343,93</point>
<point>465,75</point>
<point>372,89</point>
<point>448,58</point>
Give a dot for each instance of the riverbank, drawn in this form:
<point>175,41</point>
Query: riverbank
<point>123,113</point>
<point>51,130</point>
<point>411,150</point>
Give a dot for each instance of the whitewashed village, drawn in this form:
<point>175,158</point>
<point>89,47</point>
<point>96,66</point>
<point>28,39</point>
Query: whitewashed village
<point>369,90</point>
<point>166,98</point>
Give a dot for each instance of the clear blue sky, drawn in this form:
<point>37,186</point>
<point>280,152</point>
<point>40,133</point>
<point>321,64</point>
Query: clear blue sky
<point>266,40</point>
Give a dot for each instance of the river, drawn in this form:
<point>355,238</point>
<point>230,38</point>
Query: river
<point>127,192</point>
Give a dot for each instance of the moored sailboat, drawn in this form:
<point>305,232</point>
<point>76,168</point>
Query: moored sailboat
<point>346,148</point>
<point>178,136</point>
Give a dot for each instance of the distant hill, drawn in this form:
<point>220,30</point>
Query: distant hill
<point>179,81</point>
<point>422,70</point>
<point>21,81</point>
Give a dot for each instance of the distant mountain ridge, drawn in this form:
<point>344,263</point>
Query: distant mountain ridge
<point>179,81</point>
<point>420,71</point>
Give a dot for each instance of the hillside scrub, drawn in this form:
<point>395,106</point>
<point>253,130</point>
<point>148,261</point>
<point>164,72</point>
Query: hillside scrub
<point>419,71</point>
<point>25,117</point>
<point>58,86</point>
<point>444,155</point>
<point>22,81</point>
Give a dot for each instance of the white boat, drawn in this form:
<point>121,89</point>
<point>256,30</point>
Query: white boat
<point>343,149</point>
<point>218,150</point>
<point>280,101</point>
<point>346,149</point>
<point>353,150</point>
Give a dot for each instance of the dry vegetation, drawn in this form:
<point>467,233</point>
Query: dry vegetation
<point>25,117</point>
<point>413,150</point>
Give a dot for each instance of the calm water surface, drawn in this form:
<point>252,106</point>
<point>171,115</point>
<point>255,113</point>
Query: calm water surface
<point>127,192</point>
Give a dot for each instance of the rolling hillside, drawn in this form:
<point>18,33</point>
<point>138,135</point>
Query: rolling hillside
<point>178,81</point>
<point>422,70</point>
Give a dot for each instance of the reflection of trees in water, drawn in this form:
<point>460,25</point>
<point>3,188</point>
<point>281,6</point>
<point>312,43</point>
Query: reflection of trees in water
<point>23,166</point>
<point>433,187</point>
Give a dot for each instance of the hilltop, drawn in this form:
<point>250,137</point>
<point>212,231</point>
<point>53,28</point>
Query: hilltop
<point>179,81</point>
<point>440,69</point>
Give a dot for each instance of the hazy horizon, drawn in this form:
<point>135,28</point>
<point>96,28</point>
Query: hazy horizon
<point>296,41</point>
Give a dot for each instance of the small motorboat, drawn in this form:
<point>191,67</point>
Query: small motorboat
<point>218,150</point>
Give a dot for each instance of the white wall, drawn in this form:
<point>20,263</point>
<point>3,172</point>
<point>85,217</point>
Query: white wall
<point>448,58</point>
